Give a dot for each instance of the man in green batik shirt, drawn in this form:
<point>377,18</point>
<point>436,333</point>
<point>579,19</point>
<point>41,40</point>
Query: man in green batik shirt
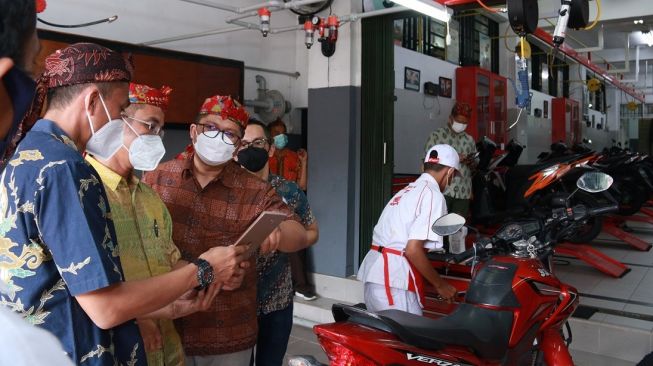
<point>142,221</point>
<point>459,192</point>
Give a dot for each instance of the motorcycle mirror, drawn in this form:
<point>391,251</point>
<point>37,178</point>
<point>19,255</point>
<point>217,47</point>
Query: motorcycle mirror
<point>594,182</point>
<point>448,224</point>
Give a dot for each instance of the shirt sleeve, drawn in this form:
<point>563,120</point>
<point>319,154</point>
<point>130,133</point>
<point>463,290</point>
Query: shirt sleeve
<point>299,203</point>
<point>271,201</point>
<point>72,213</point>
<point>430,207</point>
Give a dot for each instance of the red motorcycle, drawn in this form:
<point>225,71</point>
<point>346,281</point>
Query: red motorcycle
<point>513,314</point>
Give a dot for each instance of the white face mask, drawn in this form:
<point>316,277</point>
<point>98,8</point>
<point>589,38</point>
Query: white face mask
<point>145,151</point>
<point>213,151</point>
<point>108,139</point>
<point>458,127</point>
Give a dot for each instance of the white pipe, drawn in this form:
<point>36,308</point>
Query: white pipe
<point>193,35</point>
<point>594,49</point>
<point>636,79</point>
<point>627,59</point>
<point>230,8</point>
<point>246,9</point>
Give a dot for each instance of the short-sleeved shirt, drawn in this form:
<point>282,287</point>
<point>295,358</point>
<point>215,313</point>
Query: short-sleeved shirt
<point>275,290</point>
<point>215,215</point>
<point>144,231</point>
<point>463,143</point>
<point>408,216</point>
<point>57,241</point>
<point>286,164</point>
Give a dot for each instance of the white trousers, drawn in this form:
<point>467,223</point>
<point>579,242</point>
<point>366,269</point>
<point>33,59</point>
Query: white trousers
<point>376,299</point>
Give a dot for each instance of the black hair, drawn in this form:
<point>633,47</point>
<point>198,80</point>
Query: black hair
<point>62,96</point>
<point>17,24</point>
<point>266,130</point>
<point>434,167</point>
<point>278,123</point>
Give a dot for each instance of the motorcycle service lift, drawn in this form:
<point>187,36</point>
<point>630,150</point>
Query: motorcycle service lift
<point>612,225</point>
<point>593,257</point>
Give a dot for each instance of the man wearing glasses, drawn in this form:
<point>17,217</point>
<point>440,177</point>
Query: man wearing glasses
<point>275,287</point>
<point>212,201</point>
<point>143,223</point>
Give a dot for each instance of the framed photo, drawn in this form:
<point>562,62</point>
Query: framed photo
<point>445,87</point>
<point>546,109</point>
<point>411,79</point>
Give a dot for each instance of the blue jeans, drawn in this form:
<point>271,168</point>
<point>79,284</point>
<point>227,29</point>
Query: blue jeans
<point>273,334</point>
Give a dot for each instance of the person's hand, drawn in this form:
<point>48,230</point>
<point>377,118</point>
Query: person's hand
<point>446,291</point>
<point>237,279</point>
<point>151,334</point>
<point>194,301</point>
<point>303,156</point>
<point>225,261</point>
<point>272,242</point>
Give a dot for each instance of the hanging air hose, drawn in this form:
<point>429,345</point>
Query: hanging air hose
<point>523,93</point>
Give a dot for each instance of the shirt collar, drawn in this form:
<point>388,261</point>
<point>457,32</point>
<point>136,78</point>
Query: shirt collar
<point>429,178</point>
<point>110,178</point>
<point>50,127</point>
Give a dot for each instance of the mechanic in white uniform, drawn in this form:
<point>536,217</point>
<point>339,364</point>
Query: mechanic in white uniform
<point>395,268</point>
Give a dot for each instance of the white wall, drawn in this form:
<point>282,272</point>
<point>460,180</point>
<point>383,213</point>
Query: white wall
<point>148,20</point>
<point>416,114</point>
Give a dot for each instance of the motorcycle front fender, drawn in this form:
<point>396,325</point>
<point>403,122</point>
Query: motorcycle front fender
<point>554,348</point>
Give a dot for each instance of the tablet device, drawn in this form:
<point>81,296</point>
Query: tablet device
<point>260,229</point>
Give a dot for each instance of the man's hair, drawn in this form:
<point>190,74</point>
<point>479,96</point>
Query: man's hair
<point>278,123</point>
<point>62,96</point>
<point>434,167</point>
<point>17,24</point>
<point>266,130</point>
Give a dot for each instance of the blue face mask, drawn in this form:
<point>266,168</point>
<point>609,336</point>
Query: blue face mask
<point>21,89</point>
<point>280,141</point>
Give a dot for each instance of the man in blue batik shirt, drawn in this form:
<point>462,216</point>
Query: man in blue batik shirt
<point>275,289</point>
<point>59,258</point>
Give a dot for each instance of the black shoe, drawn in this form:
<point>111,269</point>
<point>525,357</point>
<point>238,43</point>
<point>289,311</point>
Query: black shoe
<point>306,294</point>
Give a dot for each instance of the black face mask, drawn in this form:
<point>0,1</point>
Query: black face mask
<point>253,158</point>
<point>21,89</point>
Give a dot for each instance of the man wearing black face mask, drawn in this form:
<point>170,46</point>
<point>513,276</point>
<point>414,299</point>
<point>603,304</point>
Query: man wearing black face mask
<point>18,49</point>
<point>275,290</point>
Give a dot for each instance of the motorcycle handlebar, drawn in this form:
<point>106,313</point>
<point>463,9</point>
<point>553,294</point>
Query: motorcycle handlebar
<point>603,210</point>
<point>461,257</point>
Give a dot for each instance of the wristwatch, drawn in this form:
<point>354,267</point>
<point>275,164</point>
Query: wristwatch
<point>204,273</point>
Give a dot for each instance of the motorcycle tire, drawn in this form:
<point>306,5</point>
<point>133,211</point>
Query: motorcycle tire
<point>592,226</point>
<point>631,199</point>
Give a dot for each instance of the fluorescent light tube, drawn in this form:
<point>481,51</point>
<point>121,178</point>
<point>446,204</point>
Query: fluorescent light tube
<point>427,7</point>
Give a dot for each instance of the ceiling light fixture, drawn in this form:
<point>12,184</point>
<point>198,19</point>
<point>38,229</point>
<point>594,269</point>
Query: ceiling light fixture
<point>430,8</point>
<point>639,21</point>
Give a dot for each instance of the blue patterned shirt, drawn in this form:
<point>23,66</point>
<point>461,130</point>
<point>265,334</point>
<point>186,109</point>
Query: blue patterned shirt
<point>57,241</point>
<point>275,291</point>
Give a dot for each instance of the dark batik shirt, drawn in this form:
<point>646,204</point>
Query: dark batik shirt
<point>57,241</point>
<point>275,290</point>
<point>215,215</point>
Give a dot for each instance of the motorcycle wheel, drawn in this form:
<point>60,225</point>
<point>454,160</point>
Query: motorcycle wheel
<point>592,226</point>
<point>631,199</point>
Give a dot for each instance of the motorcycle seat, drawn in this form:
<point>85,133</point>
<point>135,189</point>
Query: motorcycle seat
<point>486,332</point>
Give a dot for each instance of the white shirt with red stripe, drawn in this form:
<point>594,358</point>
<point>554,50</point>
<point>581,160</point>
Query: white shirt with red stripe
<point>408,216</point>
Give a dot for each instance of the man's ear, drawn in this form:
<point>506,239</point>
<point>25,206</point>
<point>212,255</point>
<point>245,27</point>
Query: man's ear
<point>273,149</point>
<point>92,102</point>
<point>193,132</point>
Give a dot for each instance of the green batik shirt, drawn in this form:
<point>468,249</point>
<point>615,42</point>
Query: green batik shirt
<point>463,143</point>
<point>144,231</point>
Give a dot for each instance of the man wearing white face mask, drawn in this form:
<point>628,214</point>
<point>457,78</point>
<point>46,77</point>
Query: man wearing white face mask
<point>459,192</point>
<point>61,265</point>
<point>212,201</point>
<point>143,223</point>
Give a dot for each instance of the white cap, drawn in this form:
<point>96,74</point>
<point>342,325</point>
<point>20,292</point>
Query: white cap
<point>446,155</point>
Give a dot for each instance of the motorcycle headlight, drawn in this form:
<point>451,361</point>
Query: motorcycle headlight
<point>550,170</point>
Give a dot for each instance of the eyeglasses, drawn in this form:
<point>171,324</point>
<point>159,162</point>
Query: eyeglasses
<point>152,128</point>
<point>212,131</point>
<point>260,143</point>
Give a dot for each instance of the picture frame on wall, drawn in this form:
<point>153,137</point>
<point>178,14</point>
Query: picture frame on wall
<point>411,79</point>
<point>545,109</point>
<point>445,87</point>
